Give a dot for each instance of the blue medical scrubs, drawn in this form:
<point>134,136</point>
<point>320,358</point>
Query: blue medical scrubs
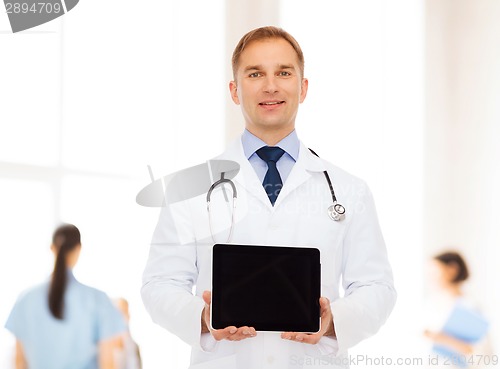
<point>71,343</point>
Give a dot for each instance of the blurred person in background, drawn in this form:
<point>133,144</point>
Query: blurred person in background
<point>127,354</point>
<point>62,323</point>
<point>450,308</point>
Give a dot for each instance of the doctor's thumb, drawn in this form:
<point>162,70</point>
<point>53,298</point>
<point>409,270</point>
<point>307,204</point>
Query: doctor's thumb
<point>324,303</point>
<point>207,297</point>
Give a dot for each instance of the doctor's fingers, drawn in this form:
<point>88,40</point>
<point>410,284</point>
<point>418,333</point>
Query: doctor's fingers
<point>236,334</point>
<point>325,307</point>
<point>242,333</point>
<point>311,339</point>
<point>222,334</point>
<point>207,297</point>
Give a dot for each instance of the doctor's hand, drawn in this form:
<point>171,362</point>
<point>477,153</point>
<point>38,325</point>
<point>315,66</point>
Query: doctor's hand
<point>327,328</point>
<point>231,333</point>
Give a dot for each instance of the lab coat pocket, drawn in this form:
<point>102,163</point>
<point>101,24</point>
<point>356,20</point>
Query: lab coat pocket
<point>226,362</point>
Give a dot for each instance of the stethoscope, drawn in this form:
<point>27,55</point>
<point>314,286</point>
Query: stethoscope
<point>221,181</point>
<point>335,211</point>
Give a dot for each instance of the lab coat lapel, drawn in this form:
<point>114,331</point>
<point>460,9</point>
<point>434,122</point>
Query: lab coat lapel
<point>301,172</point>
<point>306,164</point>
<point>246,177</point>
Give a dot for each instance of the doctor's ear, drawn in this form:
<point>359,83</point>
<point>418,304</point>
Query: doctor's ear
<point>304,85</point>
<point>233,88</point>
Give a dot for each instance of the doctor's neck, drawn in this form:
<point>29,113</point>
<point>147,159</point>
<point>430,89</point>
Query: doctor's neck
<point>271,136</point>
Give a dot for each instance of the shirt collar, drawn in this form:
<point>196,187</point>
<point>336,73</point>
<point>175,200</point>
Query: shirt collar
<point>70,275</point>
<point>252,143</point>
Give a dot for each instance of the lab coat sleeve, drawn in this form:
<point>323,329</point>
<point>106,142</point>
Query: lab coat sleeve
<point>367,277</point>
<point>170,274</point>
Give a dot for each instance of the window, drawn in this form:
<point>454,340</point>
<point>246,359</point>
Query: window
<point>88,101</point>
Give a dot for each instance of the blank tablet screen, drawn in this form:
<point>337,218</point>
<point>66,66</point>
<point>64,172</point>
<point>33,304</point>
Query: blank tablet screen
<point>270,288</point>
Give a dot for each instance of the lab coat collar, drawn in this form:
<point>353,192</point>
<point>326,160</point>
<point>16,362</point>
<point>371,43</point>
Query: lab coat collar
<point>306,164</point>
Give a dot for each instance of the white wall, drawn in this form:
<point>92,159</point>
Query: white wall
<point>364,112</point>
<point>462,170</point>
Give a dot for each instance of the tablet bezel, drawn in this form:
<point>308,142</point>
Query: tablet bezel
<point>309,255</point>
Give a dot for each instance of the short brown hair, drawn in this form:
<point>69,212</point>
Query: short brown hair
<point>452,258</point>
<point>266,33</point>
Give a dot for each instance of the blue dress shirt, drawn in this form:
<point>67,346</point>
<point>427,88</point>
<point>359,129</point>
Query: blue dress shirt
<point>89,317</point>
<point>290,144</point>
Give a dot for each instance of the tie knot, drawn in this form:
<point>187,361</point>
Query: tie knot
<point>270,153</point>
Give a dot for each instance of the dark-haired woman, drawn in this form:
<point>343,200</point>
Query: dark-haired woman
<point>62,323</point>
<point>450,272</point>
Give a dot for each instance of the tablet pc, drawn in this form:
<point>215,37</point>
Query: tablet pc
<point>270,288</point>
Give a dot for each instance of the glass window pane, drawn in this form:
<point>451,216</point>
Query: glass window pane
<point>114,236</point>
<point>4,23</point>
<point>154,89</point>
<point>26,223</point>
<point>30,98</point>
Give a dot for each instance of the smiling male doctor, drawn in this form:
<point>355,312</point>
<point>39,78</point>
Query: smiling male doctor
<point>269,85</point>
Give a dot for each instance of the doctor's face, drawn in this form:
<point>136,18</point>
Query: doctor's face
<point>269,86</point>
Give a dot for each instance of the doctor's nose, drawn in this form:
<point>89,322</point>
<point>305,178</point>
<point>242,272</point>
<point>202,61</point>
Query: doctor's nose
<point>270,85</point>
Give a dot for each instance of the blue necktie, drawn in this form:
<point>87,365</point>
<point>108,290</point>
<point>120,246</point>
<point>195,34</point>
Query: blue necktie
<point>272,181</point>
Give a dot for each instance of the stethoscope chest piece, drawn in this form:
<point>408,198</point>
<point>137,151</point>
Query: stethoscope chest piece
<point>336,212</point>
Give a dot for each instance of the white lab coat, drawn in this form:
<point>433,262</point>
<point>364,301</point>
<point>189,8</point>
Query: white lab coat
<point>352,253</point>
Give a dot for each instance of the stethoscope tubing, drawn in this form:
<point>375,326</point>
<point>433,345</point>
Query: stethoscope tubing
<point>221,181</point>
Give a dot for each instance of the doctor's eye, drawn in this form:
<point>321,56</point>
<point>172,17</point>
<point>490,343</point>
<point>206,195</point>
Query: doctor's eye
<point>284,73</point>
<point>254,74</point>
